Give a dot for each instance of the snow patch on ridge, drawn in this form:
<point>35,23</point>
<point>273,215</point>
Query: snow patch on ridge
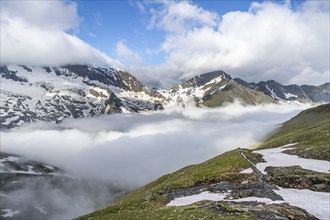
<point>188,200</point>
<point>316,203</point>
<point>296,197</point>
<point>247,171</point>
<point>276,158</point>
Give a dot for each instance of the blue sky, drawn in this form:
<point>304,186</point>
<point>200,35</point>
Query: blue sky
<point>165,42</point>
<point>105,23</point>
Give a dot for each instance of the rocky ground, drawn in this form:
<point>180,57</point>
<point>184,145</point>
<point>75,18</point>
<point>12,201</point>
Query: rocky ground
<point>298,178</point>
<point>260,210</point>
<point>261,186</point>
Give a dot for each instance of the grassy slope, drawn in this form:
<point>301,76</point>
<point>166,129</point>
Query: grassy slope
<point>310,129</point>
<point>236,91</point>
<point>148,203</point>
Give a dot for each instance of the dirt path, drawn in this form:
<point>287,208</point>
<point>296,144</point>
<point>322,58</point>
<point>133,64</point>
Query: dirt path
<point>268,187</point>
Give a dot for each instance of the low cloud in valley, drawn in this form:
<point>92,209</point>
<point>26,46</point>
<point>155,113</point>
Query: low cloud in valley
<point>133,149</point>
<point>108,155</point>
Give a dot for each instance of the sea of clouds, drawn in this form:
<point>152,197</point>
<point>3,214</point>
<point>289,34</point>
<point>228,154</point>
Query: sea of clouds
<point>130,150</point>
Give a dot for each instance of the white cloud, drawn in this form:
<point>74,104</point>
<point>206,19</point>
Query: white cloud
<point>270,41</point>
<point>44,14</point>
<point>126,54</point>
<point>34,33</point>
<point>131,150</point>
<point>178,16</point>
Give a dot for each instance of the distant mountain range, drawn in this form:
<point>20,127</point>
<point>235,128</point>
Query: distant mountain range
<point>215,88</point>
<point>30,94</point>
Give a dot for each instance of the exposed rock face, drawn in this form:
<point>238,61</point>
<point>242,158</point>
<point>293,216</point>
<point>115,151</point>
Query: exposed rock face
<point>256,185</point>
<point>30,94</point>
<point>215,89</point>
<point>262,211</point>
<point>296,177</point>
<point>240,189</point>
<point>291,92</point>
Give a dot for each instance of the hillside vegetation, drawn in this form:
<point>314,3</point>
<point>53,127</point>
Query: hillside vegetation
<point>310,129</point>
<point>149,203</point>
<point>235,91</point>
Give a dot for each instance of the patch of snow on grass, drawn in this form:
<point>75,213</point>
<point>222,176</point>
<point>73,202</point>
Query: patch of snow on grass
<point>247,171</point>
<point>276,158</point>
<point>316,203</point>
<point>218,90</point>
<point>187,200</point>
<point>255,199</point>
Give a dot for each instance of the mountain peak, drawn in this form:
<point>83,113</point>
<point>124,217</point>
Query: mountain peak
<point>207,77</point>
<point>30,93</point>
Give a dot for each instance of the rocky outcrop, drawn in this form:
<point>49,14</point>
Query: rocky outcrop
<point>298,178</point>
<point>261,211</point>
<point>293,92</point>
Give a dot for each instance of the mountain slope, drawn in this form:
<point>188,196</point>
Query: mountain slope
<point>291,92</point>
<point>149,201</point>
<point>215,89</point>
<point>310,129</point>
<point>247,192</point>
<point>31,94</point>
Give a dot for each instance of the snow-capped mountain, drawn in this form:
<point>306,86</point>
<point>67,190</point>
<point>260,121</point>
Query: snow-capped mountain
<point>214,89</point>
<point>291,92</point>
<point>30,94</point>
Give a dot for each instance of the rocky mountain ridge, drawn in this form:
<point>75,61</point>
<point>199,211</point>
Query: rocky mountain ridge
<point>215,89</point>
<point>291,92</point>
<point>30,94</point>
